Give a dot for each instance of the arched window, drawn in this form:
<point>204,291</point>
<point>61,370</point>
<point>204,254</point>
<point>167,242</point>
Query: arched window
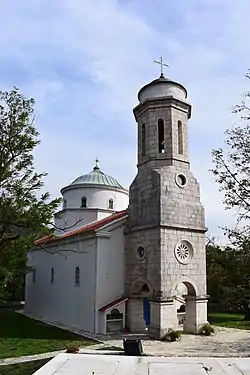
<point>84,202</point>
<point>180,138</point>
<point>111,204</point>
<point>115,315</point>
<point>64,203</point>
<point>52,276</point>
<point>161,136</point>
<point>145,289</point>
<point>143,140</point>
<point>77,276</point>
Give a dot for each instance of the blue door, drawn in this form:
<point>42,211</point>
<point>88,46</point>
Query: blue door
<point>146,311</point>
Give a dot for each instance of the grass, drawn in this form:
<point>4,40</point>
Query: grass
<point>27,368</point>
<point>229,320</point>
<point>20,335</point>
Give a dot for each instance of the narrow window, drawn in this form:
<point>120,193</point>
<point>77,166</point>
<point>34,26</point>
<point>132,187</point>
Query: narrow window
<point>84,202</point>
<point>180,138</point>
<point>143,140</point>
<point>111,204</point>
<point>161,136</point>
<point>34,276</point>
<point>52,276</point>
<point>77,276</point>
<point>65,203</point>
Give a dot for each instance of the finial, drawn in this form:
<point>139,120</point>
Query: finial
<point>162,65</point>
<point>96,167</point>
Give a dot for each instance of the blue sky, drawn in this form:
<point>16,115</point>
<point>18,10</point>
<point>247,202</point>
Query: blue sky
<point>84,62</point>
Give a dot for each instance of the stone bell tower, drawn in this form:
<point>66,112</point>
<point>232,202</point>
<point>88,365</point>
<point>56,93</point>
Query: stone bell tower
<point>165,231</point>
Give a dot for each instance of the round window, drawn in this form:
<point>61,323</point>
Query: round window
<point>141,252</point>
<point>181,180</point>
<point>184,252</point>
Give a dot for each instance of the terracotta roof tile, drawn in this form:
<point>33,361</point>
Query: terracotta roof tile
<point>86,228</point>
<point>113,303</point>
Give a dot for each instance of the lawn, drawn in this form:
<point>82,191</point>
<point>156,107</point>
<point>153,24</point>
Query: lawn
<point>229,320</point>
<point>27,368</point>
<point>20,335</point>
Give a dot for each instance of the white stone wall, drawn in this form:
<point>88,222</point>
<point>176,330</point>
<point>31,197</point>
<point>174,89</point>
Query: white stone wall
<point>63,302</point>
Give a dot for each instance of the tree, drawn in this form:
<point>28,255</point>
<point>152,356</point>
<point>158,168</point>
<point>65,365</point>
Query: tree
<point>24,214</point>
<point>232,171</point>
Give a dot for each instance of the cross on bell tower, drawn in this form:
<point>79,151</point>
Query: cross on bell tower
<point>162,65</point>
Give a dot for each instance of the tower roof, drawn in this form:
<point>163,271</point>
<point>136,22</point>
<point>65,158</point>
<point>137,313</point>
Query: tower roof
<point>162,87</point>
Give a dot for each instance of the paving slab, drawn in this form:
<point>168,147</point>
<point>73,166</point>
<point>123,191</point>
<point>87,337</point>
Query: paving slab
<point>91,364</point>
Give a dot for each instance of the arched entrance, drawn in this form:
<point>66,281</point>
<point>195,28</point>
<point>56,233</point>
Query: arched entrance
<point>139,315</point>
<point>186,301</point>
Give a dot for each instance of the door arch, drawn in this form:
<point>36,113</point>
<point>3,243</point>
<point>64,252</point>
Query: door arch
<point>189,298</point>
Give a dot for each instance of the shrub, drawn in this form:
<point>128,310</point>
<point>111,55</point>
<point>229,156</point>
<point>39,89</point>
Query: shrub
<point>72,349</point>
<point>172,335</point>
<point>206,329</point>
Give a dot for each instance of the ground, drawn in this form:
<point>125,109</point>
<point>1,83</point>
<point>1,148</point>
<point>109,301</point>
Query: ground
<point>27,368</point>
<point>20,335</point>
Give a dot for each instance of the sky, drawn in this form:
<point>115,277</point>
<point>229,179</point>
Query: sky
<point>85,60</point>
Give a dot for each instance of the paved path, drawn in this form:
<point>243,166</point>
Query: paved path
<point>226,342</point>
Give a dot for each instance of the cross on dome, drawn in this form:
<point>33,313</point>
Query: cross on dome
<point>96,167</point>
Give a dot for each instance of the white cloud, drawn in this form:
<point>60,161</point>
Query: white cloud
<point>84,62</point>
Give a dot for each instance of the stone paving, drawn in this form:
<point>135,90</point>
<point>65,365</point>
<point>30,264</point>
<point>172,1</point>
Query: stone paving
<point>225,342</point>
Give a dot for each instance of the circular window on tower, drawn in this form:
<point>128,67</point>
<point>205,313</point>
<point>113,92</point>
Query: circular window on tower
<point>181,180</point>
<point>141,252</point>
<point>184,252</point>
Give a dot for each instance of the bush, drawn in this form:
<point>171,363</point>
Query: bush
<point>172,335</point>
<point>206,329</point>
<point>72,349</point>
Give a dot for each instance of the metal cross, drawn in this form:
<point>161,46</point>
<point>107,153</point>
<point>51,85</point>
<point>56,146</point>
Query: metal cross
<point>161,64</point>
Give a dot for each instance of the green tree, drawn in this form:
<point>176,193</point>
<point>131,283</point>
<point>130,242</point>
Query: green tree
<point>232,171</point>
<point>24,211</point>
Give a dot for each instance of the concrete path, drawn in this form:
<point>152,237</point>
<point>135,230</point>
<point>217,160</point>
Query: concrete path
<point>68,364</point>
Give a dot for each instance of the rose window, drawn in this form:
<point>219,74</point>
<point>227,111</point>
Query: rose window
<point>184,252</point>
<point>141,252</point>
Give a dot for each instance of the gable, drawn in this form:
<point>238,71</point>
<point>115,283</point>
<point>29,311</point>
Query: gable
<point>102,224</point>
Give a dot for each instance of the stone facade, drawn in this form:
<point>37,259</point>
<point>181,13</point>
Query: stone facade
<point>166,220</point>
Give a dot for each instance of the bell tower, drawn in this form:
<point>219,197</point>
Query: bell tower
<point>165,231</point>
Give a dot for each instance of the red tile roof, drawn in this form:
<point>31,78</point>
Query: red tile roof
<point>86,228</point>
<point>113,303</point>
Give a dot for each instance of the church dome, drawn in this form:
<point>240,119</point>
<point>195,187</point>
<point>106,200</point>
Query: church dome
<point>97,177</point>
<point>162,87</point>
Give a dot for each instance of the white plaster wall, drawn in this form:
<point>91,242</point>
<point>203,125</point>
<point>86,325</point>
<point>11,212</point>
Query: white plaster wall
<point>97,197</point>
<point>158,90</point>
<point>63,302</point>
<point>110,267</point>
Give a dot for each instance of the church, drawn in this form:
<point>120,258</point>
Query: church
<point>129,261</point>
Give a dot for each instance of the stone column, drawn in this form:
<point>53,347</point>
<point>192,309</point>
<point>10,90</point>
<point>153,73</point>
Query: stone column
<point>196,314</point>
<point>163,317</point>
